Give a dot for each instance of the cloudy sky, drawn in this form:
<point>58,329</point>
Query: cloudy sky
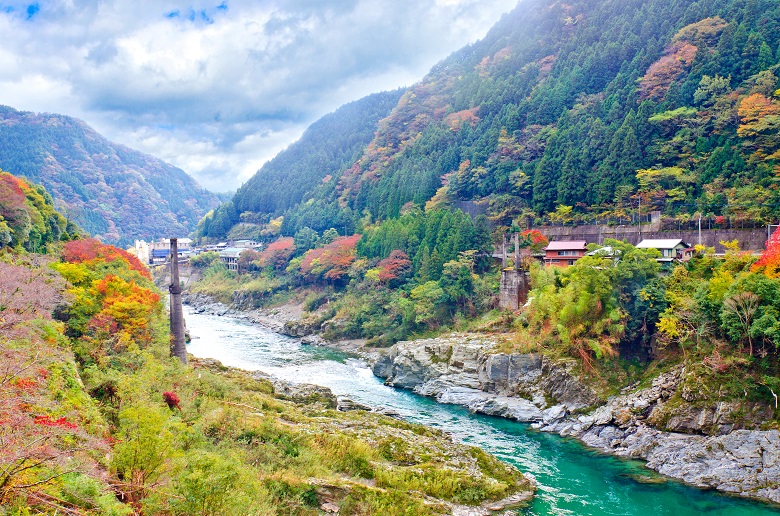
<point>219,87</point>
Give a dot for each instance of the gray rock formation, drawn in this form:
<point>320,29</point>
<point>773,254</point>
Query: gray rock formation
<point>344,404</point>
<point>698,444</point>
<point>305,393</point>
<point>459,369</point>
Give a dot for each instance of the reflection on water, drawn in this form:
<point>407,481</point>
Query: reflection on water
<point>572,479</point>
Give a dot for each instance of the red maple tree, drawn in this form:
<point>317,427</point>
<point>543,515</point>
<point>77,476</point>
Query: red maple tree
<point>394,267</point>
<point>277,254</point>
<point>90,249</point>
<point>332,260</point>
<point>769,263</point>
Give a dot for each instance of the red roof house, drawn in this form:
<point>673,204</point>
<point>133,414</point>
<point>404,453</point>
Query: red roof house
<point>564,252</point>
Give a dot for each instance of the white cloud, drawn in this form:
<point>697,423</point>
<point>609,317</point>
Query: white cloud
<point>217,88</point>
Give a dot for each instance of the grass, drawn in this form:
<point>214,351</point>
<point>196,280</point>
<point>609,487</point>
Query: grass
<point>118,442</point>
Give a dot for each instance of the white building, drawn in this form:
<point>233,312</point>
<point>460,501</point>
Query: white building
<point>142,251</point>
<point>670,249</point>
<point>230,257</point>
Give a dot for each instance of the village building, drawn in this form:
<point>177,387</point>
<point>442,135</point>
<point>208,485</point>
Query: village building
<point>142,251</point>
<point>671,249</point>
<point>229,257</point>
<point>563,253</point>
<point>247,244</point>
<point>159,251</point>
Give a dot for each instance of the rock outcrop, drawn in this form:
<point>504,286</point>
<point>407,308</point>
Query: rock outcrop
<point>700,444</point>
<point>459,369</point>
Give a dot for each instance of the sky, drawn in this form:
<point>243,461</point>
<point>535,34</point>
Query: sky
<point>217,87</point>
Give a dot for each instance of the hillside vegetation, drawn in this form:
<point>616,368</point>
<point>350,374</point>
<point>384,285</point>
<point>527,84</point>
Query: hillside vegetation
<point>112,192</point>
<point>326,148</point>
<point>578,108</point>
<point>565,112</point>
<point>97,418</point>
<point>28,219</point>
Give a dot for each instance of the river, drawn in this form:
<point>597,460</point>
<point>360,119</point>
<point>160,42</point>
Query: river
<point>572,478</point>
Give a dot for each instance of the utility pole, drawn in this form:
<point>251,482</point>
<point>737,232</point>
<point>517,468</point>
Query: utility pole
<point>178,346</point>
<point>640,218</point>
<point>699,228</point>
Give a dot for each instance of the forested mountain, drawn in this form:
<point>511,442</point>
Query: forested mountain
<point>28,219</point>
<point>112,191</point>
<point>588,104</point>
<point>328,146</point>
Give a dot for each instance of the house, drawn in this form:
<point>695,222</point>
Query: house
<point>605,252</point>
<point>671,249</point>
<point>564,252</point>
<point>247,244</point>
<point>159,255</point>
<point>229,257</point>
<point>159,251</point>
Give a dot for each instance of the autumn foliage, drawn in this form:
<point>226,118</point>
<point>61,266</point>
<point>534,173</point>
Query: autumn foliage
<point>12,199</point>
<point>769,263</point>
<point>171,399</point>
<point>114,304</point>
<point>27,216</point>
<point>61,422</point>
<point>26,292</point>
<point>760,117</point>
<point>277,254</point>
<point>534,240</point>
<point>90,251</point>
<point>661,74</point>
<point>42,407</point>
<point>125,314</point>
<point>332,261</point>
<point>394,267</point>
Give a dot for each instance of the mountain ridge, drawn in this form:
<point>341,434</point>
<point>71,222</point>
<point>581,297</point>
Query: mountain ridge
<point>576,106</point>
<point>112,191</point>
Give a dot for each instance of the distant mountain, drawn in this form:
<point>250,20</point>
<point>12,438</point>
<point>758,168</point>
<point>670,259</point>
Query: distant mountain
<point>111,191</point>
<point>578,110</point>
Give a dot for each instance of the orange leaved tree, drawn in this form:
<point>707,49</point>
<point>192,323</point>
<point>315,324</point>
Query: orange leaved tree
<point>769,263</point>
<point>331,261</point>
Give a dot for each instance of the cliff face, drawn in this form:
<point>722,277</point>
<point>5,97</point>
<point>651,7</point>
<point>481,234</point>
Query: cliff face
<point>706,446</point>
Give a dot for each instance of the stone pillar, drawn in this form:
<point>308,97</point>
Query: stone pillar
<point>178,346</point>
<point>513,292</point>
<point>503,252</point>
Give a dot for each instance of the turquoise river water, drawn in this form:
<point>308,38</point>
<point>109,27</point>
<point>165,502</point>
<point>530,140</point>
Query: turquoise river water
<point>572,479</point>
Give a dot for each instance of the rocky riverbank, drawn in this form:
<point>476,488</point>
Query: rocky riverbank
<point>700,445</point>
<point>273,318</point>
<point>705,447</point>
<point>286,319</point>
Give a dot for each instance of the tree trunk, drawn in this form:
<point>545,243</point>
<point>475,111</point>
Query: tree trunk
<point>178,346</point>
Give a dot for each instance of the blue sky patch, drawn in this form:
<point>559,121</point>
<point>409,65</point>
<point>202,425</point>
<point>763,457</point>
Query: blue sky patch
<point>205,16</point>
<point>32,10</point>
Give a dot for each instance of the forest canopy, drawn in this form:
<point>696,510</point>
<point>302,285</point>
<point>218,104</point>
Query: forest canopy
<point>574,104</point>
